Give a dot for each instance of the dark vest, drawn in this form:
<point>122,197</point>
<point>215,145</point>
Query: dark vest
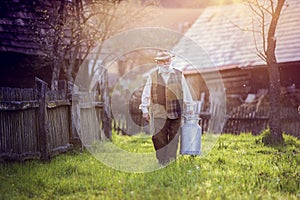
<point>169,96</point>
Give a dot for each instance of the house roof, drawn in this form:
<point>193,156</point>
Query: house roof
<point>221,32</point>
<point>23,21</point>
<point>177,19</point>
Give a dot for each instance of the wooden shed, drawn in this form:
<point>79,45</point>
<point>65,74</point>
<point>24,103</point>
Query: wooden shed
<point>21,22</point>
<point>221,31</point>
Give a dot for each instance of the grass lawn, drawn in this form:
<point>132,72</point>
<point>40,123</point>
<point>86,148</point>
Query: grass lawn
<point>238,167</point>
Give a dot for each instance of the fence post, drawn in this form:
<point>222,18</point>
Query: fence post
<point>43,132</point>
<point>104,92</point>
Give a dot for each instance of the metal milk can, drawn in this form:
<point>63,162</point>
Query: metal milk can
<point>190,143</point>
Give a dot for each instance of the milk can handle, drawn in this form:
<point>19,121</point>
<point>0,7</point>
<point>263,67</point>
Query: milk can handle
<point>189,117</point>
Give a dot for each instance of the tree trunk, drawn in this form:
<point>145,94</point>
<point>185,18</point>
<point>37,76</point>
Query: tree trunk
<point>57,49</point>
<point>275,104</point>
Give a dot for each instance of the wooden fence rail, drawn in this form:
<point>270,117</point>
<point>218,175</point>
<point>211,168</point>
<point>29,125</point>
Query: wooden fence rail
<point>244,118</point>
<point>34,123</point>
<point>247,118</point>
<point>134,124</point>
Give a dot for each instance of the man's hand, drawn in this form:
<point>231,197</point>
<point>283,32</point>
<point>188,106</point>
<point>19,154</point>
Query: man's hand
<point>146,116</point>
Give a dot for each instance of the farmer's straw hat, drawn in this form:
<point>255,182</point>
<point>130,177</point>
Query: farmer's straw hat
<point>163,55</point>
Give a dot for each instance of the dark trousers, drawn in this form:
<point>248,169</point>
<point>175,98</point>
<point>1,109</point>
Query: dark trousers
<point>165,139</point>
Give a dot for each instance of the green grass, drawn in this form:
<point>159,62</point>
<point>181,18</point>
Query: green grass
<point>238,167</point>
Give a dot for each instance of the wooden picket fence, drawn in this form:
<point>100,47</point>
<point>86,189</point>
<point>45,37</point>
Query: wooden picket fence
<point>134,124</point>
<point>252,118</point>
<point>36,123</point>
<point>247,118</point>
<point>131,121</point>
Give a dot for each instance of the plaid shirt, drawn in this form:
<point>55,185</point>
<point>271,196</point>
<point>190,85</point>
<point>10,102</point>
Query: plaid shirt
<point>168,95</point>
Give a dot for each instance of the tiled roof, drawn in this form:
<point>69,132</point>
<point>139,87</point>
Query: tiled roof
<point>220,31</point>
<point>172,18</point>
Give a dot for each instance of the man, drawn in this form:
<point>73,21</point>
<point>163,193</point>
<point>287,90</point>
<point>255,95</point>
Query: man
<point>163,96</point>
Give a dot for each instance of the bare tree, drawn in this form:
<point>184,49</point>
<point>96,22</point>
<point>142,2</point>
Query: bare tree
<point>75,27</point>
<point>61,24</point>
<point>268,13</point>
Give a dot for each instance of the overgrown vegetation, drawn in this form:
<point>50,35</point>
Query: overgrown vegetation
<point>238,167</point>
